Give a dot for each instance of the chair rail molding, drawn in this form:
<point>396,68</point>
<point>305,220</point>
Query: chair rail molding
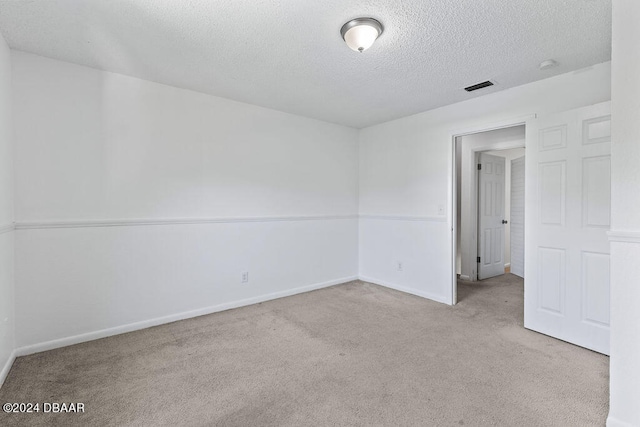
<point>624,236</point>
<point>403,218</point>
<point>6,228</point>
<point>30,225</point>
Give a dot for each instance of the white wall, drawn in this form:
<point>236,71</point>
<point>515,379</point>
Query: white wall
<point>625,218</point>
<point>469,147</point>
<point>227,187</point>
<point>406,176</point>
<point>7,329</point>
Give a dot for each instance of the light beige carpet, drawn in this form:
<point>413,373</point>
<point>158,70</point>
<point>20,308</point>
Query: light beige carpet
<point>354,354</point>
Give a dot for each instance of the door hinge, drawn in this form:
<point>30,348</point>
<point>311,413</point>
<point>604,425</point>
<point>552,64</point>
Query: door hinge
<point>479,166</point>
<point>478,259</point>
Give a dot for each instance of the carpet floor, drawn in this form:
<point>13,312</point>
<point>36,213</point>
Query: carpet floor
<point>355,354</point>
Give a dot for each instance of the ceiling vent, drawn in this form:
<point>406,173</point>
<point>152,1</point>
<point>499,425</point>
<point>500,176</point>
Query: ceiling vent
<point>478,86</point>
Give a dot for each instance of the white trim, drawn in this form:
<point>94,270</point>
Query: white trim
<point>614,422</point>
<point>507,123</point>
<point>103,333</point>
<point>405,218</point>
<point>621,236</point>
<point>29,225</point>
<point>7,367</point>
<point>37,225</point>
<point>427,295</point>
<point>7,228</point>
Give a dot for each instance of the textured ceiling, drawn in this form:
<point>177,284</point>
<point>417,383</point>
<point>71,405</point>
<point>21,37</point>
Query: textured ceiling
<point>288,54</point>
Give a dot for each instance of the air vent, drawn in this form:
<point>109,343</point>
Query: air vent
<point>478,86</point>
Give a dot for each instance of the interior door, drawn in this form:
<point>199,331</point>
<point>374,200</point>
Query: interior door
<point>516,216</point>
<point>490,216</point>
<point>568,192</point>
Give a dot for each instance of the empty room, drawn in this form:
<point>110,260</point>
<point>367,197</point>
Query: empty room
<point>286,213</point>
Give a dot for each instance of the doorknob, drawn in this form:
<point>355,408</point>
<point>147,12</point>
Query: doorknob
<point>504,221</point>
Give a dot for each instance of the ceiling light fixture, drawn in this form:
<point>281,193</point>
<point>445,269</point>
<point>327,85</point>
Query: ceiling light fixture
<point>549,63</point>
<point>360,33</point>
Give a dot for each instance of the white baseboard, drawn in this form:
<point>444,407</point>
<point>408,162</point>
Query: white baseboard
<point>614,422</point>
<point>465,278</point>
<point>411,291</point>
<point>103,333</point>
<point>7,367</point>
<point>507,265</point>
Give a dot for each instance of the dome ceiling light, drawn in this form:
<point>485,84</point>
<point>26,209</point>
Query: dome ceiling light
<point>360,33</point>
<point>549,63</point>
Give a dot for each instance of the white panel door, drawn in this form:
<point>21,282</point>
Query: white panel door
<point>517,217</point>
<point>491,177</point>
<point>568,192</point>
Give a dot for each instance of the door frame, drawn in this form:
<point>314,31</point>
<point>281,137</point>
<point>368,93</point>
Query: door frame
<point>454,134</point>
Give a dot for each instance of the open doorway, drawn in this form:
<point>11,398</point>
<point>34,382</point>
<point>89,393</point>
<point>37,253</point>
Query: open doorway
<point>497,190</point>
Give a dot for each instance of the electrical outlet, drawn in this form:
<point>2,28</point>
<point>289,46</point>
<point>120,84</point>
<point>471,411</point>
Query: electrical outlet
<point>399,265</point>
<point>245,277</point>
